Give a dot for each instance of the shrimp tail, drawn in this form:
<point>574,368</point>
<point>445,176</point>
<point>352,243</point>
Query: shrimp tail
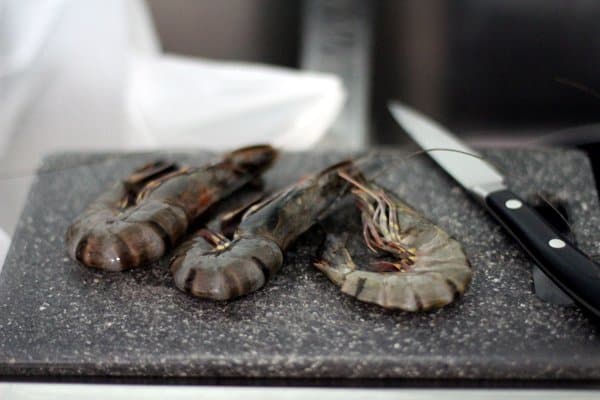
<point>218,269</point>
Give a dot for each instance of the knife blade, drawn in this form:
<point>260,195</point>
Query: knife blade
<point>568,267</point>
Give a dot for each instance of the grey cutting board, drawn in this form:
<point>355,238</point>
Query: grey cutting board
<point>58,318</point>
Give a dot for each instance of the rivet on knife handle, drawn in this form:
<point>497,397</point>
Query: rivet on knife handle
<point>565,265</point>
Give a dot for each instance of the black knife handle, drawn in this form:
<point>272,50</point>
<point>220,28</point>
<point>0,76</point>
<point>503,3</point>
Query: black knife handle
<point>569,268</point>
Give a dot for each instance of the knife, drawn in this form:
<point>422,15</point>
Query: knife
<point>569,268</point>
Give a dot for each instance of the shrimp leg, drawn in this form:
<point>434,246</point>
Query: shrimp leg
<point>135,222</point>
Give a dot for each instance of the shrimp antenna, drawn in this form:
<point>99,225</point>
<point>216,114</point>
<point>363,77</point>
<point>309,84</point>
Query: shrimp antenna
<point>554,136</point>
<point>370,155</point>
<point>579,86</point>
<point>557,211</point>
<point>394,163</point>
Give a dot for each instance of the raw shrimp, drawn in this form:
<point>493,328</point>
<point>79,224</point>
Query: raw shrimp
<point>211,266</point>
<point>425,268</point>
<point>136,221</point>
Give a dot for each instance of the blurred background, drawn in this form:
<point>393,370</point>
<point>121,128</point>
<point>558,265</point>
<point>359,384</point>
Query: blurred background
<point>92,75</point>
<point>492,67</point>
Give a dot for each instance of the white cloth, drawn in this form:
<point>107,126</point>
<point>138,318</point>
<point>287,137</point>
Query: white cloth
<point>90,75</point>
<point>63,89</point>
<point>179,102</point>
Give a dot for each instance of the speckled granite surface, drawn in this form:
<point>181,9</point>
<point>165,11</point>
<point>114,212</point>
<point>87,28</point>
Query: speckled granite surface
<point>58,318</point>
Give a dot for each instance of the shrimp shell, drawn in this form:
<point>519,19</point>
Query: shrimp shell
<point>115,232</point>
<point>428,268</point>
<point>215,268</point>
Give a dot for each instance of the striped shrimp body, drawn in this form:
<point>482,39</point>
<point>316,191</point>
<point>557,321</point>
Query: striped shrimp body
<point>210,266</point>
<point>418,265</point>
<point>136,221</point>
